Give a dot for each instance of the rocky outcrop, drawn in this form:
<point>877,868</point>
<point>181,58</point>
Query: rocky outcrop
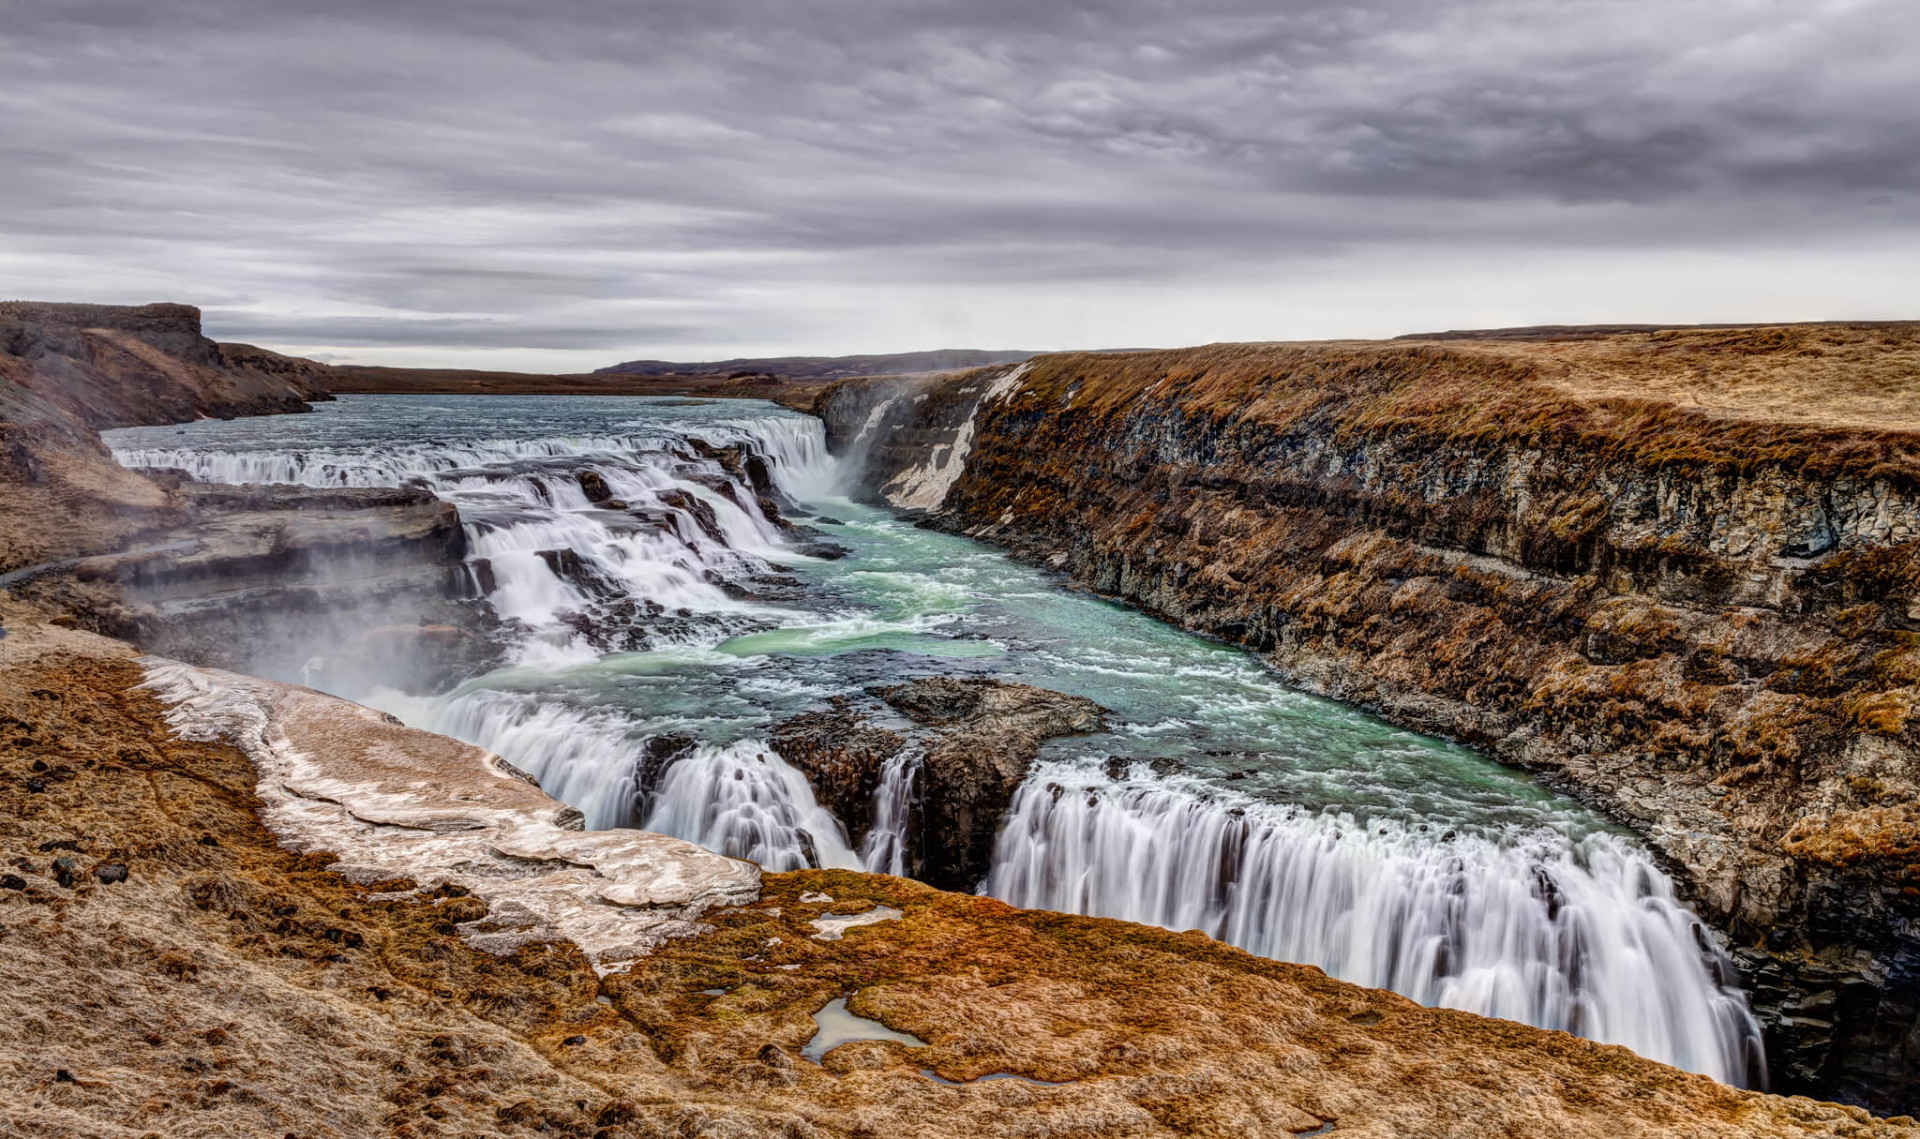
<point>1707,626</point>
<point>68,370</point>
<point>347,588</point>
<point>970,742</point>
<point>118,366</point>
<point>388,802</point>
<point>842,752</point>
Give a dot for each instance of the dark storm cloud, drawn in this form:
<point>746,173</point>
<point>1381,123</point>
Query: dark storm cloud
<point>593,174</point>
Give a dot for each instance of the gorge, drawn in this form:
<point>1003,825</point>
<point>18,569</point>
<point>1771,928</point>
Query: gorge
<point>711,620</point>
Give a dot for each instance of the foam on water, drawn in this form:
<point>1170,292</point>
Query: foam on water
<point>743,800</point>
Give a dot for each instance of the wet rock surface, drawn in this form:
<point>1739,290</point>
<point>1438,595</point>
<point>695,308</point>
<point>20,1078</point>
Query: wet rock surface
<point>1701,625</point>
<point>841,751</point>
<point>975,738</point>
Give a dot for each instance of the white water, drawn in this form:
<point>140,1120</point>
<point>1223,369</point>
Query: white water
<point>519,498</point>
<point>1585,937</point>
<point>742,800</point>
<point>1463,887</point>
<point>884,849</point>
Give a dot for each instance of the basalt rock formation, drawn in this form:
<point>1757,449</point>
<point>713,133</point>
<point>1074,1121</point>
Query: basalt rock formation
<point>349,588</point>
<point>201,938</point>
<point>1675,572</point>
<point>971,740</point>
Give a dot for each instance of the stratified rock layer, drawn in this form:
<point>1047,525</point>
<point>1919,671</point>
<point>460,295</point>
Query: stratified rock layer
<point>1704,620</point>
<point>67,370</point>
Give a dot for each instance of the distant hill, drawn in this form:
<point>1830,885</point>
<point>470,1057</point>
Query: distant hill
<point>826,367</point>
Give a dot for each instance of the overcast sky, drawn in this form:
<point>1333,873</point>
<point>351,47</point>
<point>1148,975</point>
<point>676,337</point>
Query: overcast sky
<point>566,183</point>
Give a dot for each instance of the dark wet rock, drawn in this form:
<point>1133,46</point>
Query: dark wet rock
<point>37,786</point>
<point>987,734</point>
<point>66,872</point>
<point>656,755</point>
<point>820,548</point>
<point>762,587</point>
<point>110,873</point>
<point>977,737</point>
<point>594,486</point>
<point>841,753</point>
<point>701,513</point>
<point>12,882</point>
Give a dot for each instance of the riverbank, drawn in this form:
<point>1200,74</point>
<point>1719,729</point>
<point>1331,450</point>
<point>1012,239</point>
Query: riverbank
<point>1673,572</point>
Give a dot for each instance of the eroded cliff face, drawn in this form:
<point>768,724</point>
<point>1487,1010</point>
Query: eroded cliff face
<point>69,370</point>
<point>346,588</point>
<point>1707,626</point>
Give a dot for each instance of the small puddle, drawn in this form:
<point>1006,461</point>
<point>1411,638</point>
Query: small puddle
<point>833,927</point>
<point>838,1026</point>
<point>713,992</point>
<point>940,1079</point>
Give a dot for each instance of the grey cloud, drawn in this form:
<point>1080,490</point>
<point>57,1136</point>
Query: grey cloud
<point>490,173</point>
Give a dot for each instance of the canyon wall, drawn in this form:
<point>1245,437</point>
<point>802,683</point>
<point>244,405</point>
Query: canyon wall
<point>1675,573</point>
<point>67,371</point>
<point>344,588</point>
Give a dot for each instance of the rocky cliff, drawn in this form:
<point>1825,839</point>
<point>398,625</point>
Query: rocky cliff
<point>349,588</point>
<point>1676,572</point>
<point>68,370</point>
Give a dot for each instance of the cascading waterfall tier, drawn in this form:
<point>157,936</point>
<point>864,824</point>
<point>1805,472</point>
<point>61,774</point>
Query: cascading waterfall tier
<point>884,850</point>
<point>1582,936</point>
<point>660,553</point>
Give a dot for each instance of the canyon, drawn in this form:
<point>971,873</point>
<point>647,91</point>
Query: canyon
<point>1699,619</point>
<point>1674,572</point>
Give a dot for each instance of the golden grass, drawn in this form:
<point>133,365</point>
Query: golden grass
<point>1831,398</point>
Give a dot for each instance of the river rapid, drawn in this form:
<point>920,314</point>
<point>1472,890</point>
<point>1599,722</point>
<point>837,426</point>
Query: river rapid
<point>677,604</point>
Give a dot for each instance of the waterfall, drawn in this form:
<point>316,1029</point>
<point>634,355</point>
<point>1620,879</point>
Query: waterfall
<point>1586,937</point>
<point>595,533</point>
<point>587,760</point>
<point>884,850</point>
<point>744,801</point>
<point>661,558</point>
